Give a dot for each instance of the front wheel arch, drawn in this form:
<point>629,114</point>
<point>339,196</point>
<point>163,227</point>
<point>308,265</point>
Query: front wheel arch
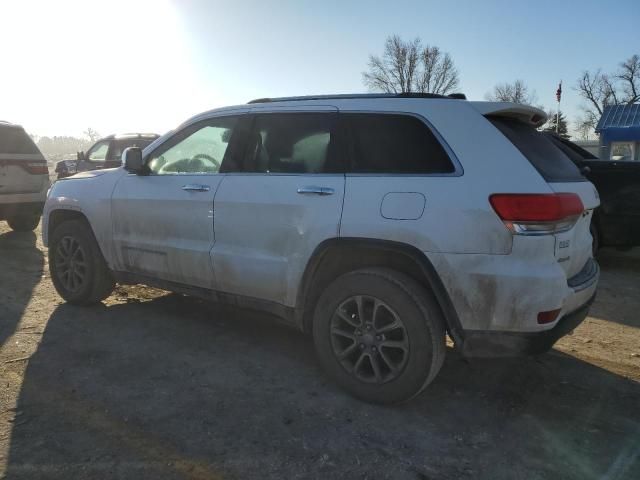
<point>56,217</point>
<point>98,281</point>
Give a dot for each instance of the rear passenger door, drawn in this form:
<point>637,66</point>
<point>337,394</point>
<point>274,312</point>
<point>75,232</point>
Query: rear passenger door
<point>400,182</point>
<point>272,210</point>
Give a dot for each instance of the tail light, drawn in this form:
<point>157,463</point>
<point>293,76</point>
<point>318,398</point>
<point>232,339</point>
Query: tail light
<point>548,317</point>
<point>36,168</point>
<point>537,213</point>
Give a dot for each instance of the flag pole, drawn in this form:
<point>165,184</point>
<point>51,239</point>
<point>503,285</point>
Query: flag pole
<point>558,112</point>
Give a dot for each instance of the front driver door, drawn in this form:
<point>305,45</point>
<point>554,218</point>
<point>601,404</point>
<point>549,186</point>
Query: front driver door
<point>279,204</point>
<point>163,221</point>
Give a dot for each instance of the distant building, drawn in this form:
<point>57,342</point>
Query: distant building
<point>619,129</point>
<point>591,146</point>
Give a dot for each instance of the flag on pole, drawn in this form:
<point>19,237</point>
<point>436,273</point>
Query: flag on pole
<point>559,92</point>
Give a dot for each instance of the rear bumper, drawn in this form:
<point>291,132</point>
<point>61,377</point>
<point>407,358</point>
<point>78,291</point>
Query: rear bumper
<point>8,210</point>
<point>510,344</point>
<point>505,293</point>
<point>12,201</point>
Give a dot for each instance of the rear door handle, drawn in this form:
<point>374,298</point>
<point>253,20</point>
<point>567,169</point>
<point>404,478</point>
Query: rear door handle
<point>196,187</point>
<point>313,190</point>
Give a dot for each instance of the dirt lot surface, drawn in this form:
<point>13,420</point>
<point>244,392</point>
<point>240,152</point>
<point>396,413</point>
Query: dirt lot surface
<point>153,385</point>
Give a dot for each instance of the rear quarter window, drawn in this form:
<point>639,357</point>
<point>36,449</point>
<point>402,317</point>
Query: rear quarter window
<point>15,140</point>
<point>393,143</point>
<point>549,160</point>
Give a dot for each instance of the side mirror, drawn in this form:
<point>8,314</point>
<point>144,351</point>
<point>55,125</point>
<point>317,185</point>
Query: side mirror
<point>132,160</point>
<point>80,156</point>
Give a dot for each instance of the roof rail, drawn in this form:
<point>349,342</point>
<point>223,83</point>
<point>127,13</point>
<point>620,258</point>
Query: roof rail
<point>347,96</point>
<point>135,134</point>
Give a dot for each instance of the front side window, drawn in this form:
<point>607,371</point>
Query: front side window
<point>622,152</point>
<point>98,152</point>
<point>291,143</point>
<point>391,143</point>
<point>195,150</point>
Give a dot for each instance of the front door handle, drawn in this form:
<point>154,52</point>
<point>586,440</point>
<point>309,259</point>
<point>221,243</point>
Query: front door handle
<point>196,187</point>
<point>313,190</point>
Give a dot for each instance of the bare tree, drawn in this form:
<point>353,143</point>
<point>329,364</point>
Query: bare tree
<point>438,73</point>
<point>408,67</point>
<point>629,76</point>
<point>92,134</point>
<point>63,147</point>
<point>584,127</point>
<point>600,89</point>
<point>516,92</point>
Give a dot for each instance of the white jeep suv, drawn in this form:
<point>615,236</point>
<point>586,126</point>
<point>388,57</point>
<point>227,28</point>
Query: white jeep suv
<point>24,178</point>
<point>376,223</point>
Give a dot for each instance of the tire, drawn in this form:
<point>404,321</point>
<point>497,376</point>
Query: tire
<point>404,369</point>
<point>24,223</point>
<point>88,279</point>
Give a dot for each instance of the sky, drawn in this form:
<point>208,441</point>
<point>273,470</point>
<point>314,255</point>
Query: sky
<point>148,65</point>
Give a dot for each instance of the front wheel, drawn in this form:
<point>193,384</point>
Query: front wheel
<point>379,334</point>
<point>78,269</point>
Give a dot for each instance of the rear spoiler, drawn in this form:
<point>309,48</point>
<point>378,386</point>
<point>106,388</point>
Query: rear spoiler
<point>525,113</point>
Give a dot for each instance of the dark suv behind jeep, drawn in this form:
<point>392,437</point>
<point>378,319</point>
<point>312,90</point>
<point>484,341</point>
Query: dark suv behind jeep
<point>105,153</point>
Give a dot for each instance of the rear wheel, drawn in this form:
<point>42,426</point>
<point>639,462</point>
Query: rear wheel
<point>78,269</point>
<point>24,223</point>
<point>379,335</point>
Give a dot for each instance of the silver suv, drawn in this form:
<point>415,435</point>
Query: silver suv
<point>24,178</point>
<point>376,223</point>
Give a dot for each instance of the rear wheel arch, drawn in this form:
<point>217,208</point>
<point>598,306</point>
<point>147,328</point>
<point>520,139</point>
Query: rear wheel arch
<point>337,256</point>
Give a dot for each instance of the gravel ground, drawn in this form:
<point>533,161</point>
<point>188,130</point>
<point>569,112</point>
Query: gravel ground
<point>157,385</point>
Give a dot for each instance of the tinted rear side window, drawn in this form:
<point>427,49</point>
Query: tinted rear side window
<point>16,140</point>
<point>391,143</point>
<point>551,162</point>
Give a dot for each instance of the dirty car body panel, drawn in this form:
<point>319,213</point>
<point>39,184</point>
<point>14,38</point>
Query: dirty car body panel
<point>251,232</point>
